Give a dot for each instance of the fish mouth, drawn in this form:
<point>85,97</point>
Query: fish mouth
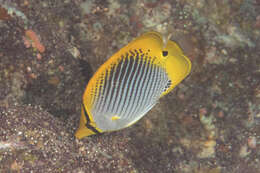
<point>188,69</point>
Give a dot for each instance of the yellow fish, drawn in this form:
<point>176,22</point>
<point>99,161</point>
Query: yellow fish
<point>130,83</point>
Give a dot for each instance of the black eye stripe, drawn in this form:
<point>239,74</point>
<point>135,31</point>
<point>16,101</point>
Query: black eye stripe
<point>164,53</point>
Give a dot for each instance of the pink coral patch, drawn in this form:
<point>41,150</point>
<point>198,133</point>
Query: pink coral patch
<point>35,40</point>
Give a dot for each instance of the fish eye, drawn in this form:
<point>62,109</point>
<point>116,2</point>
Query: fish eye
<point>164,53</point>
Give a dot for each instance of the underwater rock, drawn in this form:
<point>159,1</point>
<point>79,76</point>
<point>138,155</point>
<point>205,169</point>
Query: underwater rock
<point>31,138</point>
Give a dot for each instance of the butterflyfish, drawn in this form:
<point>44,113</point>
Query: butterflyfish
<point>130,83</point>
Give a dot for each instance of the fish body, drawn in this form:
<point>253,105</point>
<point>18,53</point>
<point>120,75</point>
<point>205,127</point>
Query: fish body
<point>130,83</point>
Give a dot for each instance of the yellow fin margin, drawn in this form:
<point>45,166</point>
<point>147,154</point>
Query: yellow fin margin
<point>83,130</point>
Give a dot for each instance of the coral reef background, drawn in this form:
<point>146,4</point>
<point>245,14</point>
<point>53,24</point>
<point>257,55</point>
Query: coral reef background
<point>209,124</point>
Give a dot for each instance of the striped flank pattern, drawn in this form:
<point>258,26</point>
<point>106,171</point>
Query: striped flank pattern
<point>127,90</point>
